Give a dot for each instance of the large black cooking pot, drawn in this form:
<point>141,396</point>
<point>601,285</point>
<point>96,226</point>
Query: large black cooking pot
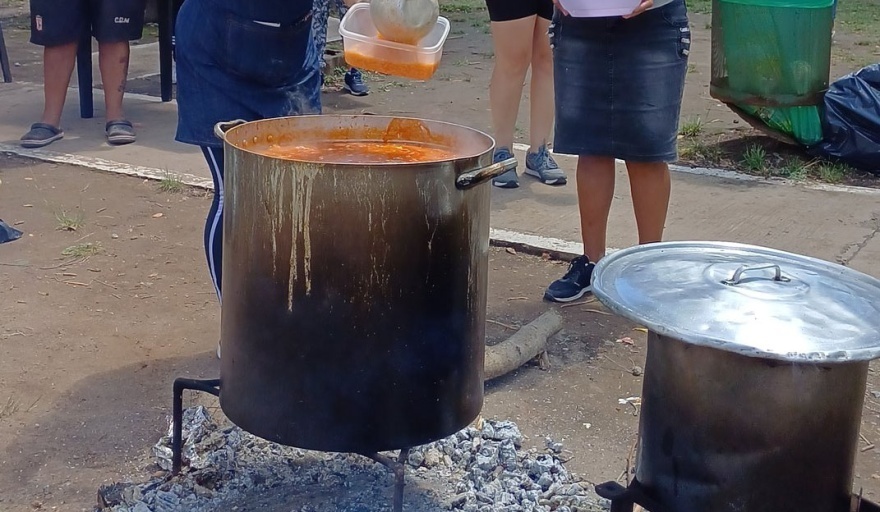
<point>354,296</point>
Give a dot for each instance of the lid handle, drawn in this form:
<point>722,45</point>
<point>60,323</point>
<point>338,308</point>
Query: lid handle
<point>737,276</point>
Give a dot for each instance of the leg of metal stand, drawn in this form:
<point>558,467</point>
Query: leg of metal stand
<point>4,58</point>
<point>166,30</point>
<point>84,75</point>
<point>399,470</point>
<point>208,386</point>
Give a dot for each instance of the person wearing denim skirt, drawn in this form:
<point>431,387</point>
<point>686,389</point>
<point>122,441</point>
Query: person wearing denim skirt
<point>619,83</point>
<point>240,60</point>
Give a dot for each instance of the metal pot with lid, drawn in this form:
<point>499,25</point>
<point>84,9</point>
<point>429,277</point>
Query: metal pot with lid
<point>755,377</point>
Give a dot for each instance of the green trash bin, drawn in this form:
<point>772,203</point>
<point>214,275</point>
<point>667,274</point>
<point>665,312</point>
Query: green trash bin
<point>772,59</point>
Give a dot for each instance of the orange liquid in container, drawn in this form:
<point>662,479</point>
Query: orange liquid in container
<point>387,61</point>
<point>349,152</point>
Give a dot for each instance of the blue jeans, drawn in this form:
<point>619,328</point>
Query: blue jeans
<point>230,67</point>
<point>619,83</point>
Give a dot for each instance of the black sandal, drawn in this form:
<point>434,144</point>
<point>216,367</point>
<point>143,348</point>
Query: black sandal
<point>40,135</point>
<point>120,132</point>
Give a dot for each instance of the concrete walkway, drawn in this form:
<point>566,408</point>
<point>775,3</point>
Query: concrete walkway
<point>833,223</point>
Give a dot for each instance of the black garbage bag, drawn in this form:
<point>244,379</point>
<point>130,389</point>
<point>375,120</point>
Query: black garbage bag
<point>851,120</point>
<point>8,233</point>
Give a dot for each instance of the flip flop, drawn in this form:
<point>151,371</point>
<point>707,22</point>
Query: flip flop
<point>40,135</point>
<point>120,132</point>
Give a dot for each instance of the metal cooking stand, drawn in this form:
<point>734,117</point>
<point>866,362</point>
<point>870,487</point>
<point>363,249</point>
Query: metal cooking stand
<point>212,386</point>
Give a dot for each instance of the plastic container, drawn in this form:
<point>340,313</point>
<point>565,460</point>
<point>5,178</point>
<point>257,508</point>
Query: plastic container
<point>364,48</point>
<point>598,8</point>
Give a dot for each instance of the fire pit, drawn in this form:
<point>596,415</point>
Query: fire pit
<point>755,376</point>
<point>354,279</point>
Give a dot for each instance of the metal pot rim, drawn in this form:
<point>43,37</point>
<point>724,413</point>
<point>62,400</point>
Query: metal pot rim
<point>226,130</point>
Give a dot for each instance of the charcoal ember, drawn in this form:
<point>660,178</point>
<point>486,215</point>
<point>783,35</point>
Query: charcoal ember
<point>166,502</point>
<point>432,458</point>
<point>113,494</point>
<point>140,506</point>
<point>503,430</point>
<point>415,458</point>
<point>197,423</point>
<point>472,470</point>
<point>553,446</point>
<point>507,454</point>
<point>545,481</point>
<point>543,464</point>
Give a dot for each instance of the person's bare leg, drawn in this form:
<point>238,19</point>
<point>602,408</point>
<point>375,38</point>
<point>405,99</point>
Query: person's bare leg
<point>542,106</point>
<point>595,189</point>
<point>58,62</point>
<point>513,54</point>
<point>113,60</point>
<point>649,187</point>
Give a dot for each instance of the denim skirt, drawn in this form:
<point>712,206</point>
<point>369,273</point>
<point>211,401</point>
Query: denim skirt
<point>229,67</point>
<point>619,83</point>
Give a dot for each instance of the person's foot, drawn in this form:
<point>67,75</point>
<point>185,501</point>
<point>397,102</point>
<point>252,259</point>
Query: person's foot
<point>509,179</point>
<point>40,135</point>
<point>120,132</point>
<point>574,284</point>
<point>354,83</point>
<point>542,166</point>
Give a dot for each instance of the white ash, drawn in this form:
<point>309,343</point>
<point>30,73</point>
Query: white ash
<point>473,470</point>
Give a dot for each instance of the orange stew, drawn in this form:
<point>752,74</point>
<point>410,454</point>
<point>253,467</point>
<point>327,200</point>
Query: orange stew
<point>413,70</point>
<point>345,152</point>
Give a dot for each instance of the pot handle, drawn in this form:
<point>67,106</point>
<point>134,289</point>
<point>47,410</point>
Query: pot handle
<point>222,127</point>
<point>737,276</point>
<point>473,178</point>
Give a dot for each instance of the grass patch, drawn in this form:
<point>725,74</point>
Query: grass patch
<point>69,221</point>
<point>171,184</point>
<point>755,159</point>
<point>9,408</point>
<point>692,127</point>
<point>701,152</point>
<point>461,6</point>
<point>793,169</point>
<point>335,78</point>
<point>831,172</point>
<point>692,68</point>
<point>699,6</point>
<point>861,16</point>
<point>82,250</point>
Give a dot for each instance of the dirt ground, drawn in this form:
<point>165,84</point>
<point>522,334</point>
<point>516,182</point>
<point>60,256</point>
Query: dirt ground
<point>97,322</point>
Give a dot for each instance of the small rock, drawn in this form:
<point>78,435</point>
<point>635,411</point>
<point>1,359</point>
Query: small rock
<point>545,481</point>
<point>875,394</point>
<point>158,215</point>
<point>875,476</point>
<point>637,370</point>
<point>457,501</point>
<point>36,504</point>
<point>114,236</point>
<point>432,458</point>
<point>553,446</point>
<point>141,507</point>
<point>416,458</point>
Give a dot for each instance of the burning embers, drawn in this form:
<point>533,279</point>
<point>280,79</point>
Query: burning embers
<point>472,470</point>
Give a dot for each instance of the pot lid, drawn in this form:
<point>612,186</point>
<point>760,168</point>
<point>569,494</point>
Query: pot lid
<point>750,300</point>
